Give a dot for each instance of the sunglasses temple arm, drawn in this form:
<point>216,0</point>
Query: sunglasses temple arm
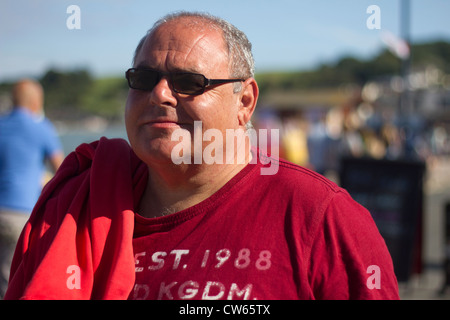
<point>211,82</point>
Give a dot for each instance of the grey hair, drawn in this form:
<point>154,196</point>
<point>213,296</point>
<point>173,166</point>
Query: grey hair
<point>241,61</point>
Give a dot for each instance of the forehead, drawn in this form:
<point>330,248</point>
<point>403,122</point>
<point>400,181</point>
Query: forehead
<point>184,44</point>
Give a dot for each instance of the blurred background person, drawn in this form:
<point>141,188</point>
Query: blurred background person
<point>27,141</point>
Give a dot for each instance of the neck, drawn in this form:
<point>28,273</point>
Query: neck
<point>174,188</point>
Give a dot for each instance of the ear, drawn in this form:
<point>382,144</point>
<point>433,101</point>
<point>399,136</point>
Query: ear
<point>248,98</point>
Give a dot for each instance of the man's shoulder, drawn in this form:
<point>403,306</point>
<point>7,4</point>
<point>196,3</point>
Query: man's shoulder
<point>11,115</point>
<point>290,175</point>
<point>104,148</point>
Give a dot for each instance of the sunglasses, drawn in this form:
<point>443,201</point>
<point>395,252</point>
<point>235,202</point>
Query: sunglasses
<point>182,82</point>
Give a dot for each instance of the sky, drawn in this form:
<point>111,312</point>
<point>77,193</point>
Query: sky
<point>286,34</point>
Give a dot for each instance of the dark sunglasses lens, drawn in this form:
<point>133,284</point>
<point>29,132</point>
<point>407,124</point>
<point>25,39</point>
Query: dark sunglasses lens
<point>188,83</point>
<point>142,79</point>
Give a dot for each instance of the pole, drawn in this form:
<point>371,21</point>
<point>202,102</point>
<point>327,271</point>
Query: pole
<point>405,98</point>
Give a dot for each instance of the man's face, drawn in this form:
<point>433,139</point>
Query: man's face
<point>152,116</point>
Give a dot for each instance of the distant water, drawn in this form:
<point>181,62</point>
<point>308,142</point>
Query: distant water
<point>71,139</point>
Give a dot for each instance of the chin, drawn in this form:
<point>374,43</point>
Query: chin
<point>154,151</point>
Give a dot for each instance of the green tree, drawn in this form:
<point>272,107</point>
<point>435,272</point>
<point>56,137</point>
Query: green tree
<point>64,90</point>
<point>106,97</point>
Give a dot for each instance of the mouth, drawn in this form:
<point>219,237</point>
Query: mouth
<point>164,123</point>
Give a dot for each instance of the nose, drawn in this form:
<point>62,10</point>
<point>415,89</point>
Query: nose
<point>162,94</point>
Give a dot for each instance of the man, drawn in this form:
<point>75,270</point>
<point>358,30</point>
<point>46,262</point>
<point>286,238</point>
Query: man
<point>27,140</point>
<point>119,223</point>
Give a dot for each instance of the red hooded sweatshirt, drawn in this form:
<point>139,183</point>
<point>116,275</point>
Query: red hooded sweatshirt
<point>77,243</point>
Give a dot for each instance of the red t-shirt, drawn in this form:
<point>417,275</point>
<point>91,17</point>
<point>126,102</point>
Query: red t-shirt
<point>292,235</point>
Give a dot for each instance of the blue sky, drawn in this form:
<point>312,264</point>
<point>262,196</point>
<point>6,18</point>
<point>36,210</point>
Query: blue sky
<point>286,34</point>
